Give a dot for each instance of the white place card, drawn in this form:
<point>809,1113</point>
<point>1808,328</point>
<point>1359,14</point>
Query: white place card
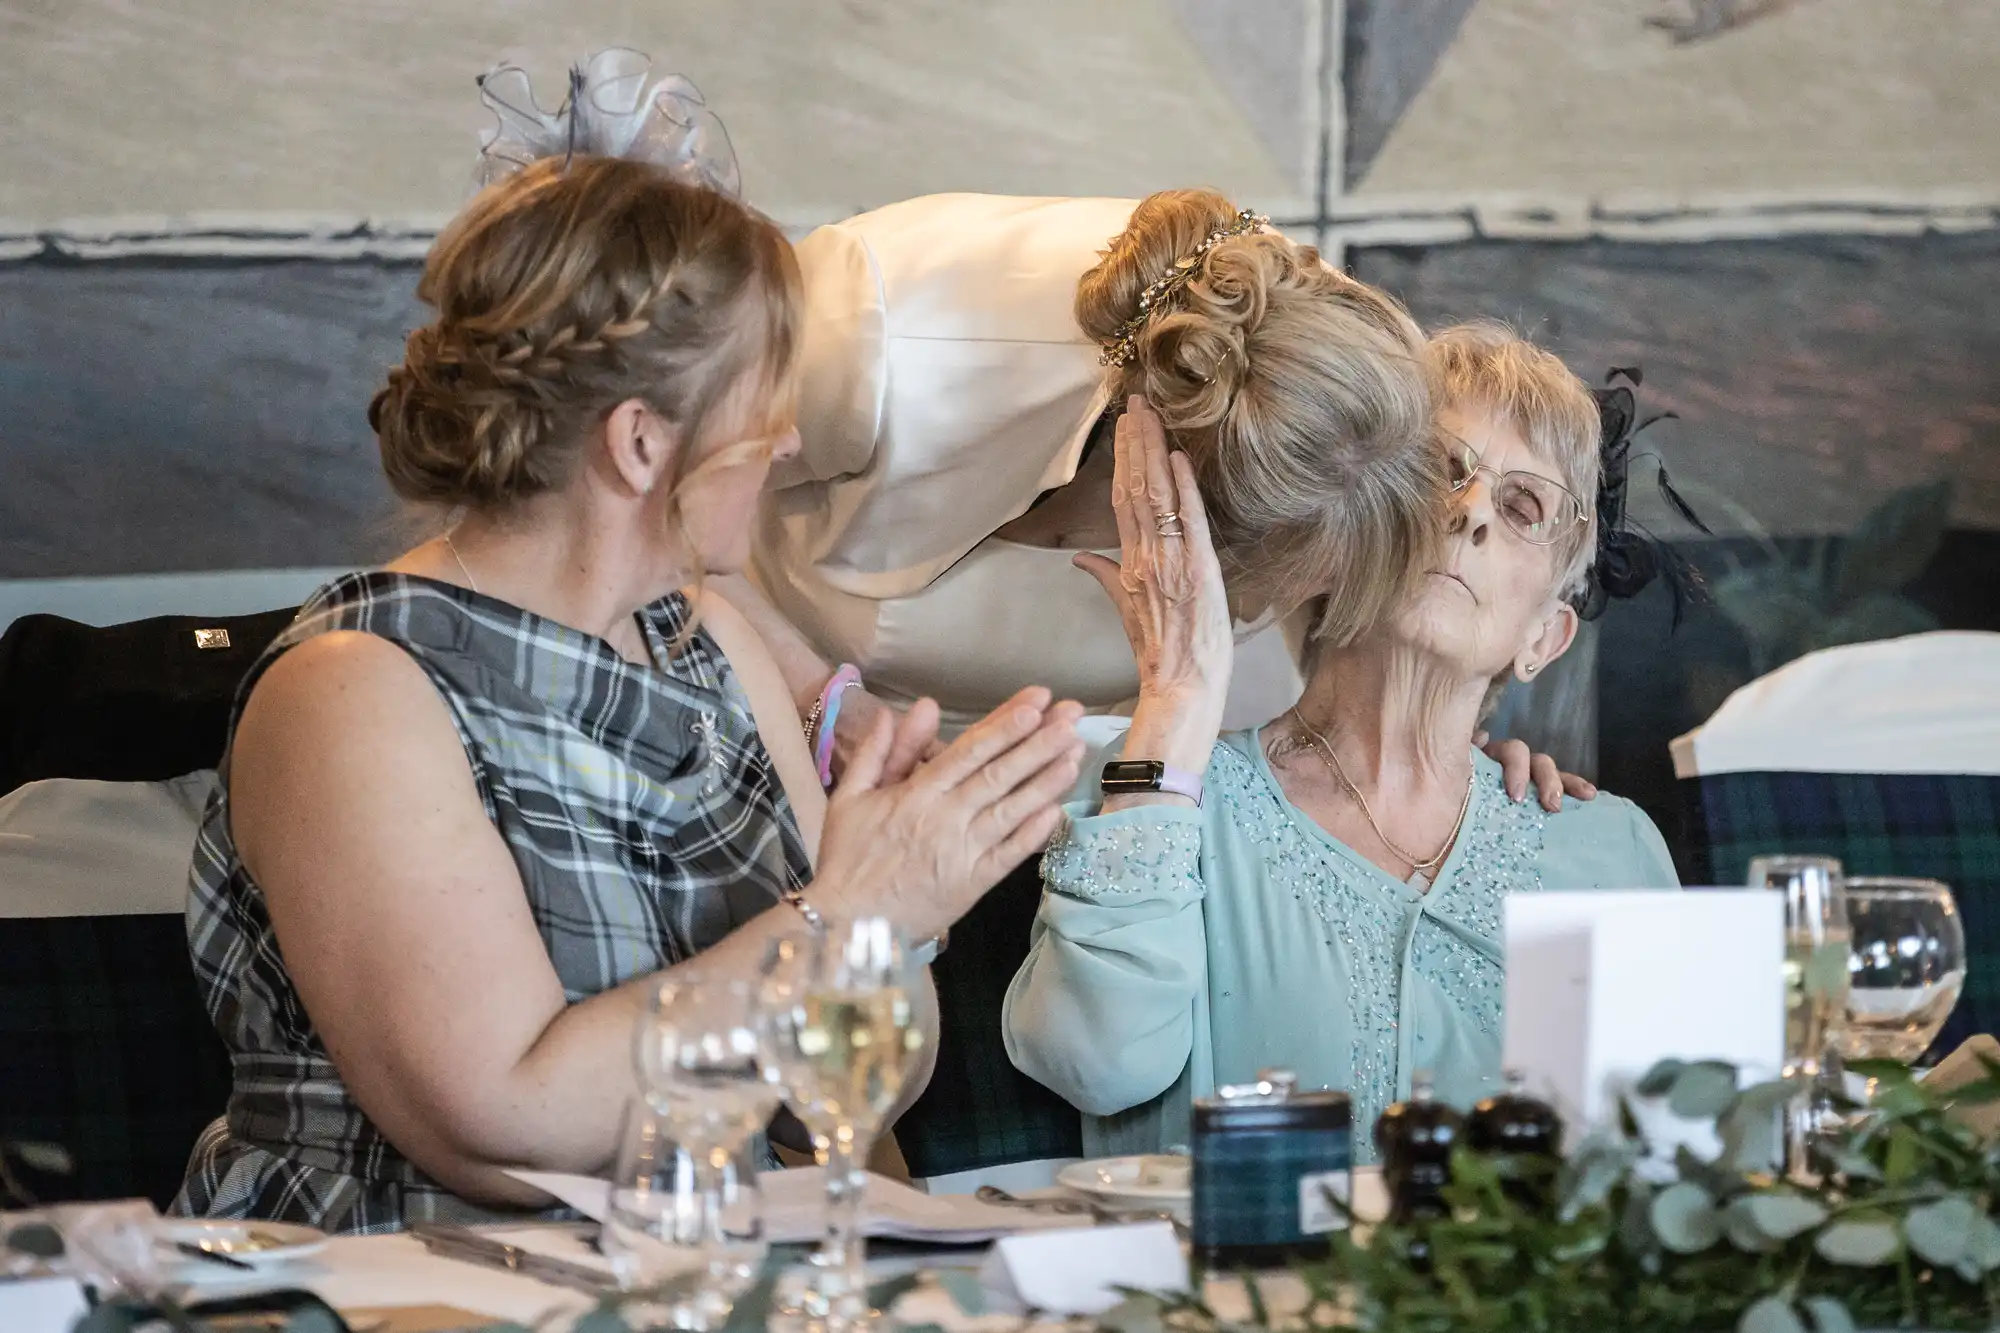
<point>1603,985</point>
<point>1079,1272</point>
<point>41,1305</point>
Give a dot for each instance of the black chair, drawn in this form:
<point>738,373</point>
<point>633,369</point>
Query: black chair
<point>105,1045</point>
<point>979,1111</point>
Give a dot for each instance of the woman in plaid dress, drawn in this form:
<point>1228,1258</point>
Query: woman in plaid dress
<point>476,802</point>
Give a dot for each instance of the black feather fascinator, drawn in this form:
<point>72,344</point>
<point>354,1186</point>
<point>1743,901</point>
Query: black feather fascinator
<point>1629,557</point>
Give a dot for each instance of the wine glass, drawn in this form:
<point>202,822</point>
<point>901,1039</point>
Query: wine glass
<point>840,1002</point>
<point>1906,967</point>
<point>1815,967</point>
<point>684,1216</point>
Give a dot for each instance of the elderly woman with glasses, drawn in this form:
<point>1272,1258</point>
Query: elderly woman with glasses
<point>1323,892</point>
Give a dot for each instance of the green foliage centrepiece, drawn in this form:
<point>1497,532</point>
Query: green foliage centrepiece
<point>1898,1232</point>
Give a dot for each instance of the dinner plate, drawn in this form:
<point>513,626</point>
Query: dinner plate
<point>259,1244</point>
<point>1163,1181</point>
<point>1153,1178</point>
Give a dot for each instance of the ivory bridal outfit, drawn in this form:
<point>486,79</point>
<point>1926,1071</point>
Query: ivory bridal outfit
<point>946,387</point>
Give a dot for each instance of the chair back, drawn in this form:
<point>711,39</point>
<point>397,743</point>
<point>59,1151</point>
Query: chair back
<point>1885,755</point>
<point>109,739</point>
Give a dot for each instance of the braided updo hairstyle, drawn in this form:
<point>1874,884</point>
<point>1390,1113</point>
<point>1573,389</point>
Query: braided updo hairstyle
<point>562,291</point>
<point>1300,395</point>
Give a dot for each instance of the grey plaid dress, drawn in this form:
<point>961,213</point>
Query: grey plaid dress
<point>641,809</point>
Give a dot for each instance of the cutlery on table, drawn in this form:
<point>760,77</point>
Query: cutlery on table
<point>469,1246</point>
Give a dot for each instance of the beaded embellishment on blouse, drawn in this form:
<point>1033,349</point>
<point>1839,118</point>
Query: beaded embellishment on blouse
<point>1124,859</point>
<point>1457,929</point>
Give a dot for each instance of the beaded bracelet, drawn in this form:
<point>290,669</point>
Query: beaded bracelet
<point>819,727</point>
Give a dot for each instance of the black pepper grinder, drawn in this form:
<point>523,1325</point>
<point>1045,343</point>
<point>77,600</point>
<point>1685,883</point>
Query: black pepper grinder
<point>1414,1140</point>
<point>1524,1134</point>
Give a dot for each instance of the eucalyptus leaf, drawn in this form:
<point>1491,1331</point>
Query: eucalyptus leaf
<point>1852,1164</point>
<point>1714,1177</point>
<point>36,1238</point>
<point>1594,1173</point>
<point>1940,1231</point>
<point>1782,1215</point>
<point>1742,1229</point>
<point>1656,1081</point>
<point>1829,1315</point>
<point>1982,1246</point>
<point>1895,542</point>
<point>1905,1156</point>
<point>1635,1223</point>
<point>962,1285</point>
<point>1772,1314</point>
<point>1684,1217</point>
<point>1859,1243</point>
<point>1702,1091</point>
<point>1751,1132</point>
<point>1882,1071</point>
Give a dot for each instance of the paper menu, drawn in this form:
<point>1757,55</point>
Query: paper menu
<point>795,1208</point>
<point>1602,985</point>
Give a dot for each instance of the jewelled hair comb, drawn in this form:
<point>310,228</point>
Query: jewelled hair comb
<point>1125,346</point>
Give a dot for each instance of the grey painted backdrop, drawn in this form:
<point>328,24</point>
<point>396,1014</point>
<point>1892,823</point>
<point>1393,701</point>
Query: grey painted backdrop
<point>195,415</point>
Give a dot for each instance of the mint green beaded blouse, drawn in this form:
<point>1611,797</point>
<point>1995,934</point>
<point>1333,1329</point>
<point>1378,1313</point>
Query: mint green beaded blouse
<point>1178,949</point>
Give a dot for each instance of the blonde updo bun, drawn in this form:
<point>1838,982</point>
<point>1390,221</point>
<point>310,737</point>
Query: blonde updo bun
<point>1300,395</point>
<point>560,292</point>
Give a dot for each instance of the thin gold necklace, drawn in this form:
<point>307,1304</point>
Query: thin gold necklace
<point>1423,867</point>
<point>468,573</point>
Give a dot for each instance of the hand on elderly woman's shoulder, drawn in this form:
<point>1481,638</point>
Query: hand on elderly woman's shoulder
<point>1521,768</point>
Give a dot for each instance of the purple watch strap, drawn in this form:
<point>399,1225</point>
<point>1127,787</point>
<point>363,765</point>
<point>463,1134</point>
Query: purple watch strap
<point>1180,782</point>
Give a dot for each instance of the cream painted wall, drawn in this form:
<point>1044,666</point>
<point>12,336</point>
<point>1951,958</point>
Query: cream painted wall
<point>367,108</point>
<point>1862,98</point>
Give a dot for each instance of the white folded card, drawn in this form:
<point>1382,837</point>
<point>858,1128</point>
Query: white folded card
<point>1603,985</point>
<point>1080,1272</point>
<point>795,1208</point>
<point>41,1304</point>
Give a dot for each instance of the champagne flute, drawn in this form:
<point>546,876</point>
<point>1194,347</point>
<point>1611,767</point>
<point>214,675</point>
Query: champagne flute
<point>1815,967</point>
<point>841,1007</point>
<point>1907,966</point>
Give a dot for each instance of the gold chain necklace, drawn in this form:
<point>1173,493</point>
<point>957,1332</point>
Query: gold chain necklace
<point>1428,864</point>
<point>449,546</point>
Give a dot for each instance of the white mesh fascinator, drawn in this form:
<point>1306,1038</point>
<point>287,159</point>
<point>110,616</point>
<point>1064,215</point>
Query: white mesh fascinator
<point>615,107</point>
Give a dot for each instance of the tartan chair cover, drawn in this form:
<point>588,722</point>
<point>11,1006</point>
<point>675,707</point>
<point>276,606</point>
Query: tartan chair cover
<point>979,1111</point>
<point>1939,826</point>
<point>106,1049</point>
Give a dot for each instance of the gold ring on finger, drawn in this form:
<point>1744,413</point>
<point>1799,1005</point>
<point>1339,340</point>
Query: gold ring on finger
<point>1170,526</point>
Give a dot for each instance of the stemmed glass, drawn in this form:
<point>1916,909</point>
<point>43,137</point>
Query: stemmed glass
<point>1815,966</point>
<point>684,1213</point>
<point>841,1005</point>
<point>1906,969</point>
